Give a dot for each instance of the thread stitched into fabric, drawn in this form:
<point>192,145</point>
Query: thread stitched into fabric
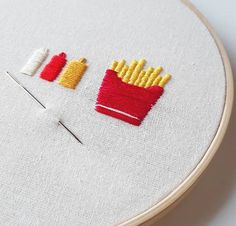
<point>35,61</point>
<point>54,67</point>
<point>115,110</point>
<point>128,92</point>
<point>73,73</point>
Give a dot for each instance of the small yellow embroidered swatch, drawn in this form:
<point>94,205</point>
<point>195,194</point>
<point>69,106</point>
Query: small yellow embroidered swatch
<point>73,73</point>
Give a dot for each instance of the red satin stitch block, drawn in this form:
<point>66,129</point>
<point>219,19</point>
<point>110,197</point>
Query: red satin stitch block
<point>124,101</point>
<point>54,67</point>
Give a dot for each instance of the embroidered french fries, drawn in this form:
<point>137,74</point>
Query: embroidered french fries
<point>135,74</point>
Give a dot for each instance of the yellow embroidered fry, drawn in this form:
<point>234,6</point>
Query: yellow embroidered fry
<point>146,76</point>
<point>137,71</point>
<point>153,76</point>
<point>113,65</point>
<point>164,80</point>
<point>130,71</point>
<point>140,76</point>
<point>120,66</point>
<point>123,71</point>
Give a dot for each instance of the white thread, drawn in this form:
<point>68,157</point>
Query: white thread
<point>117,111</point>
<point>35,61</point>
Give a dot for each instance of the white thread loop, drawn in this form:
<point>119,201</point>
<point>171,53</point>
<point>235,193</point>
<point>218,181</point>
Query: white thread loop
<point>35,61</point>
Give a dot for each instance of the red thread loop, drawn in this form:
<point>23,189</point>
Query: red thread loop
<point>62,54</point>
<point>54,67</point>
<point>124,101</point>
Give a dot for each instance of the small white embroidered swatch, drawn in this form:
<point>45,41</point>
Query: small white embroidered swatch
<point>35,61</point>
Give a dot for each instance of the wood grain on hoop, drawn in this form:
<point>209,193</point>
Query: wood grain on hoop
<point>151,215</point>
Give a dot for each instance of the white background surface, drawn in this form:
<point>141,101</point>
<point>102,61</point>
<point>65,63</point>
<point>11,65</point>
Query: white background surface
<point>213,201</point>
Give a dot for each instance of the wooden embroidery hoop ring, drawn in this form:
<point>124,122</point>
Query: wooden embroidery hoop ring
<point>151,215</point>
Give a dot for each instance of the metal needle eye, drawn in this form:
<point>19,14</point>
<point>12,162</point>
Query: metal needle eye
<point>25,89</point>
<point>42,105</point>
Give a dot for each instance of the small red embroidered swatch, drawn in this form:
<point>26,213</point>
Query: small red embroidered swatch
<point>54,67</point>
<point>130,96</point>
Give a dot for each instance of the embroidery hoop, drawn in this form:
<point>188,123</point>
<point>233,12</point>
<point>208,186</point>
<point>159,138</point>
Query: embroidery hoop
<point>153,214</point>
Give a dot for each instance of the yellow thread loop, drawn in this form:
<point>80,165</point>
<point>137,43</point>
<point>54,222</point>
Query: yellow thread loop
<point>73,73</point>
<point>83,60</point>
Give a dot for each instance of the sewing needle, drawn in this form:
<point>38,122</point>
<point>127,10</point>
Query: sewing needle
<point>42,105</point>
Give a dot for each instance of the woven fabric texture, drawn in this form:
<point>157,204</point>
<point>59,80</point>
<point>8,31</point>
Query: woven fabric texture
<point>46,177</point>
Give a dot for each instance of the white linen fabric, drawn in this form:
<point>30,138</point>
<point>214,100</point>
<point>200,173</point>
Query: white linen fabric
<point>46,176</point>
